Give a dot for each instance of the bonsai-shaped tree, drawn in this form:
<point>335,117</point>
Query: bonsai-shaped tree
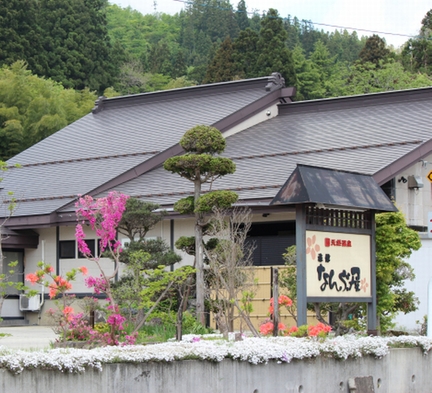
<point>199,165</point>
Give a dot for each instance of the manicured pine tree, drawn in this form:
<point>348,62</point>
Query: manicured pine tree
<point>200,165</point>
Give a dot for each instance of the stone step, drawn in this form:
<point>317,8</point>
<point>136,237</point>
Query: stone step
<point>14,322</point>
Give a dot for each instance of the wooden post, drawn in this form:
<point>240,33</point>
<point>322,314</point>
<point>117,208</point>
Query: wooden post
<point>301,265</point>
<point>275,302</point>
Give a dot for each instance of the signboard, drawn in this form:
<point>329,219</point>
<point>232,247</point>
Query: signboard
<point>429,176</point>
<point>338,264</point>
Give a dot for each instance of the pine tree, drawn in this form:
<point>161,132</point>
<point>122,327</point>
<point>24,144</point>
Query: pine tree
<point>245,53</point>
<point>374,51</point>
<point>222,68</point>
<point>19,32</point>
<point>292,26</point>
<point>200,165</point>
<point>307,74</point>
<point>76,46</point>
<point>417,53</point>
<point>273,54</point>
<point>242,16</point>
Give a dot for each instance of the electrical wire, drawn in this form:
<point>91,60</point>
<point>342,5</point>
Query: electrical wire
<point>309,21</point>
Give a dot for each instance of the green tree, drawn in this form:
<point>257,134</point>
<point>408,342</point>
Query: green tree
<point>395,242</point>
<point>20,37</point>
<point>31,108</point>
<point>222,68</point>
<point>273,54</point>
<point>245,53</point>
<point>292,26</point>
<point>76,46</point>
<point>308,76</point>
<point>322,64</point>
<point>374,51</point>
<point>145,282</point>
<point>242,16</point>
<point>138,219</point>
<point>199,165</point>
<point>345,47</point>
<point>417,52</point>
<point>309,36</point>
<point>369,78</point>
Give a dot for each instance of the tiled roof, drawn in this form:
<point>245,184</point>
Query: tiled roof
<point>119,135</point>
<point>376,135</point>
<point>364,137</point>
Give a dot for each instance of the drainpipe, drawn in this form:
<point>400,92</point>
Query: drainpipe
<point>43,286</point>
<point>429,313</point>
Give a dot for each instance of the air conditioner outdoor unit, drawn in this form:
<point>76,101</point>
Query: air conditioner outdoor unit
<point>29,303</point>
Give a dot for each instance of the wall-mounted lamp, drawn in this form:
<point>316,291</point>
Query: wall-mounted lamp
<point>415,182</point>
<point>403,180</point>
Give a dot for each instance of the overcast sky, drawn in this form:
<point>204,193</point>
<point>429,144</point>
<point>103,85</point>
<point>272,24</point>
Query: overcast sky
<point>389,16</point>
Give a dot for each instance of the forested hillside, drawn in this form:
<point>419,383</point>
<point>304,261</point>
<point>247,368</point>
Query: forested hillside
<point>57,56</point>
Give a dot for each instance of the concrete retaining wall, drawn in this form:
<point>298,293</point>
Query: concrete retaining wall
<point>402,371</point>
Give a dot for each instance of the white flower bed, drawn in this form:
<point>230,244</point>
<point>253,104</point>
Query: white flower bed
<point>252,350</point>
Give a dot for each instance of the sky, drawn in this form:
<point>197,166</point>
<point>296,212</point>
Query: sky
<point>387,16</point>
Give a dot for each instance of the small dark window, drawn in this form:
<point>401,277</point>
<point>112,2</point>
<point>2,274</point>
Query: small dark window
<point>67,249</point>
<point>91,245</point>
<point>389,189</point>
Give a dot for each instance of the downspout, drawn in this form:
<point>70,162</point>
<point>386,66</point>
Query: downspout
<point>43,286</point>
<point>172,239</point>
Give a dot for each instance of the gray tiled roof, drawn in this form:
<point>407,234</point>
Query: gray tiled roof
<point>126,132</point>
<point>363,138</point>
<point>360,134</point>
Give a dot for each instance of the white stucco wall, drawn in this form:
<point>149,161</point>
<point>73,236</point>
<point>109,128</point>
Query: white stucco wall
<point>415,203</point>
<point>421,261</point>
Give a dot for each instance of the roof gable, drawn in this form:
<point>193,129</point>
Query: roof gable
<point>333,188</point>
<point>126,137</point>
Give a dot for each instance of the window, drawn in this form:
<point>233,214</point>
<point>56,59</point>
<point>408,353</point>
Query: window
<point>67,249</point>
<point>91,244</point>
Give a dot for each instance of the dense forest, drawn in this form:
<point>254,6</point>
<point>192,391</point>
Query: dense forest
<point>57,56</point>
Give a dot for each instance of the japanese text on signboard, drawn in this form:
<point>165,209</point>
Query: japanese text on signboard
<point>338,264</point>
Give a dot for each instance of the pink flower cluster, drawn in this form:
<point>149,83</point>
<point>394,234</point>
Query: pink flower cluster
<point>103,215</point>
<point>117,321</point>
<point>314,331</point>
<point>267,328</point>
<point>283,301</point>
<point>99,284</point>
<point>58,284</point>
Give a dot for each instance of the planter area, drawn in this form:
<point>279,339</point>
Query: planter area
<point>252,365</point>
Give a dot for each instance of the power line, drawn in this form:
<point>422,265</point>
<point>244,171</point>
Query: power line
<point>309,21</point>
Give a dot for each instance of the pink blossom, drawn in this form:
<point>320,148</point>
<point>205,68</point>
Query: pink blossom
<point>33,278</point>
<point>103,215</point>
<point>83,270</point>
<point>99,284</point>
<point>116,320</point>
<point>80,236</point>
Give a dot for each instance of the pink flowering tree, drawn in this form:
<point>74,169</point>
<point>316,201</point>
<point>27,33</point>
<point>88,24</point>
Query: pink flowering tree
<point>103,215</point>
